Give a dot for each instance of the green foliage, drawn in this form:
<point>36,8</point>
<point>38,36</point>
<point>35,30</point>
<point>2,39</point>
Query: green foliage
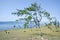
<point>32,7</point>
<point>25,25</point>
<point>23,11</point>
<point>46,14</point>
<point>29,17</point>
<point>49,18</point>
<point>27,21</point>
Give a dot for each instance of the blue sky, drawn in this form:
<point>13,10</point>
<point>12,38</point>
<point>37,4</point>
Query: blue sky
<point>9,6</point>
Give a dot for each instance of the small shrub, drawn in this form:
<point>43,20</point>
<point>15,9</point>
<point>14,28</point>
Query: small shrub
<point>41,34</point>
<point>7,32</point>
<point>24,31</point>
<point>57,31</point>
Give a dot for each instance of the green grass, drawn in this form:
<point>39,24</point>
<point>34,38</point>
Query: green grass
<point>34,33</point>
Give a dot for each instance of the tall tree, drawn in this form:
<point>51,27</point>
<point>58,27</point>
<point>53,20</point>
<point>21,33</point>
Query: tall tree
<point>32,13</point>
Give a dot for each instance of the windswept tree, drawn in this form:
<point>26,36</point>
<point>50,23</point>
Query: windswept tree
<point>32,13</point>
<point>53,20</point>
<point>56,23</point>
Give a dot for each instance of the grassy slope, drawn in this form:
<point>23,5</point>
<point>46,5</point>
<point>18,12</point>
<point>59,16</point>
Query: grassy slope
<point>26,34</point>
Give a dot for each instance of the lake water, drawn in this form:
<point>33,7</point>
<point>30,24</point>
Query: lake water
<point>11,24</point>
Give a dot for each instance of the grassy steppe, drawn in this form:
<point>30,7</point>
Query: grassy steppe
<point>31,33</point>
